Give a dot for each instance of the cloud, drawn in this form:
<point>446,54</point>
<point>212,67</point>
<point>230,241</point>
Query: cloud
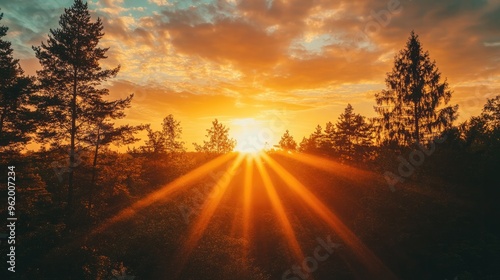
<point>257,54</point>
<point>160,2</point>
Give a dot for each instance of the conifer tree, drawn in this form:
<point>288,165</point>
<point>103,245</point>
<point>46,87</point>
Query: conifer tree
<point>16,120</point>
<point>411,109</point>
<point>287,143</point>
<point>70,97</point>
<point>353,134</point>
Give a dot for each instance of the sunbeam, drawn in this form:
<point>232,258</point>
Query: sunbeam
<point>165,191</point>
<point>357,175</point>
<point>208,209</point>
<point>247,200</point>
<point>372,263</point>
<point>280,211</point>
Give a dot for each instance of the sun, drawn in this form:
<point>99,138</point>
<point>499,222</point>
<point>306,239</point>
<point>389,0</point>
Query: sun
<point>248,133</point>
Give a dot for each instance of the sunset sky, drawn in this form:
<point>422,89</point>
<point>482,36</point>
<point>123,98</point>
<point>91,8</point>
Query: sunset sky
<point>261,67</point>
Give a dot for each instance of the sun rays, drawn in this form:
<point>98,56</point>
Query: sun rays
<point>166,191</point>
<point>247,201</point>
<point>370,261</point>
<point>280,211</point>
<point>259,164</point>
<point>208,210</point>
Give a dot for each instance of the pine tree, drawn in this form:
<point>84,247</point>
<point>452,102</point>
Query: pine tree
<point>353,134</point>
<point>16,120</point>
<point>305,145</point>
<point>491,113</point>
<point>410,109</point>
<point>287,143</point>
<point>327,145</point>
<point>219,141</point>
<point>313,144</point>
<point>70,96</point>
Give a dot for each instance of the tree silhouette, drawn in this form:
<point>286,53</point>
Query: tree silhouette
<point>313,144</point>
<point>327,145</point>
<point>410,109</point>
<point>16,120</point>
<point>70,96</point>
<point>172,132</point>
<point>483,132</point>
<point>353,134</point>
<point>101,135</point>
<point>287,143</point>
<point>219,141</point>
<point>166,141</point>
<point>491,113</point>
<point>155,144</point>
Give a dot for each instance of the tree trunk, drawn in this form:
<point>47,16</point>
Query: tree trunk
<point>72,144</point>
<point>417,130</point>
<point>2,117</point>
<point>94,171</point>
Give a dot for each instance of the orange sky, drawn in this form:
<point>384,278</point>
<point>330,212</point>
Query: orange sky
<point>272,65</point>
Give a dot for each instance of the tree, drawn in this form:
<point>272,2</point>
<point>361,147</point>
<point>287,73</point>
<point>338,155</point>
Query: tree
<point>172,132</point>
<point>16,121</point>
<point>410,109</point>
<point>491,113</point>
<point>70,97</point>
<point>103,133</point>
<point>313,144</point>
<point>483,131</point>
<point>219,141</point>
<point>167,141</point>
<point>287,143</point>
<point>353,134</point>
<point>327,145</point>
<point>155,144</point>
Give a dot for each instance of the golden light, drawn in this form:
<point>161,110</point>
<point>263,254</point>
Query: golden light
<point>249,135</point>
<point>280,211</point>
<point>247,203</point>
<point>369,259</point>
<point>208,209</point>
<point>165,191</point>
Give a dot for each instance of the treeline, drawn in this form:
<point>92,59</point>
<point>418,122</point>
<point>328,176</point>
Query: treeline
<point>414,124</point>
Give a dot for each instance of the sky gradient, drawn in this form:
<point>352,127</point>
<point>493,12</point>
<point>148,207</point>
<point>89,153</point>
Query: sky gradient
<point>261,67</point>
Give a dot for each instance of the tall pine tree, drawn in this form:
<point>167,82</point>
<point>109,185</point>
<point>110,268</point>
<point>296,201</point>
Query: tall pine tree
<point>411,108</point>
<point>71,97</point>
<point>16,121</point>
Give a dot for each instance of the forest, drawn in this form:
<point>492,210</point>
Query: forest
<point>409,194</point>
